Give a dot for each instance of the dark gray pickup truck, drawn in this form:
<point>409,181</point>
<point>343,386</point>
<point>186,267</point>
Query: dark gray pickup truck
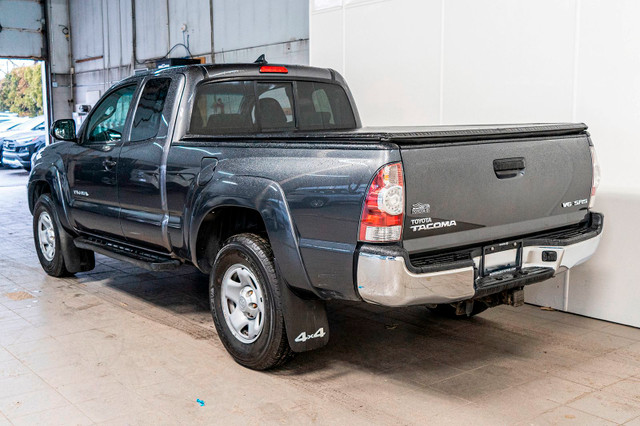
<point>262,176</point>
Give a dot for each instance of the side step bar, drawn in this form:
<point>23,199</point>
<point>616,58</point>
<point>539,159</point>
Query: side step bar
<point>140,258</point>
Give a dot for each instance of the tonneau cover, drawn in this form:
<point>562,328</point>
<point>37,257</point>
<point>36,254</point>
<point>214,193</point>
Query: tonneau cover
<point>468,132</point>
<point>420,134</point>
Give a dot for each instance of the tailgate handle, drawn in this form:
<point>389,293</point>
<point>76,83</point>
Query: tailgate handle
<point>508,167</point>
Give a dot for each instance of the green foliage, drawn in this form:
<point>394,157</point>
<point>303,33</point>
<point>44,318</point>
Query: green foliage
<point>21,91</point>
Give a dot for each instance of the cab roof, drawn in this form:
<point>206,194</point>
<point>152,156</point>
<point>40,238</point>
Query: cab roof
<point>248,70</point>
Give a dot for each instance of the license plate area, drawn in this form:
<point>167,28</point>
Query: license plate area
<point>502,257</point>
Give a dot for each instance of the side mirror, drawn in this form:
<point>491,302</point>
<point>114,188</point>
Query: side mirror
<point>64,130</point>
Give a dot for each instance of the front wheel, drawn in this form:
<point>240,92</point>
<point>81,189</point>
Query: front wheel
<point>246,305</point>
<point>47,238</point>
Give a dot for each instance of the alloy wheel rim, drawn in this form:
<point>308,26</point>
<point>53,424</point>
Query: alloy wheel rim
<point>242,303</point>
<point>46,236</point>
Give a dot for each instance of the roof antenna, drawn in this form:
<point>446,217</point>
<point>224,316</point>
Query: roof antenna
<point>261,60</point>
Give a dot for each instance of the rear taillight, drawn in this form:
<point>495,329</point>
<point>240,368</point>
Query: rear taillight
<point>383,210</point>
<point>595,180</point>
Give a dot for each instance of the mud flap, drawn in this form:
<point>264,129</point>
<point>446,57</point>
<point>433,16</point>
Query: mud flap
<point>305,320</point>
<point>75,259</point>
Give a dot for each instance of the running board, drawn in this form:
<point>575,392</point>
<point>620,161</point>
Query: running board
<point>140,258</point>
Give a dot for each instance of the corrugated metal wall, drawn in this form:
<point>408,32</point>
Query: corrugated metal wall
<point>102,34</point>
<point>21,29</point>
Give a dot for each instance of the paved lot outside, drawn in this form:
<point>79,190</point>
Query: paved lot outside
<point>120,345</point>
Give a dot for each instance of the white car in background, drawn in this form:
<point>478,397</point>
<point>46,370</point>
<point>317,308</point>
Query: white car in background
<point>11,124</point>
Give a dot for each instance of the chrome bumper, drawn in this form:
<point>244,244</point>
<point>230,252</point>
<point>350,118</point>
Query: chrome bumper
<point>386,280</point>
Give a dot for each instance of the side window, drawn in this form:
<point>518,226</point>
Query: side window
<point>324,106</point>
<point>39,127</point>
<point>148,116</point>
<point>275,106</point>
<point>108,119</point>
<point>226,107</point>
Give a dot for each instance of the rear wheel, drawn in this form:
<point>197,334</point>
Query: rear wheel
<point>245,303</point>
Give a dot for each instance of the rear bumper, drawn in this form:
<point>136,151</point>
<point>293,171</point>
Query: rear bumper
<point>386,276</point>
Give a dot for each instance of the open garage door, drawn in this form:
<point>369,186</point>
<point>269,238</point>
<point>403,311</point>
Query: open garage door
<point>21,29</point>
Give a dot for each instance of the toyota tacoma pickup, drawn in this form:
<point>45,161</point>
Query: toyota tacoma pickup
<point>262,176</point>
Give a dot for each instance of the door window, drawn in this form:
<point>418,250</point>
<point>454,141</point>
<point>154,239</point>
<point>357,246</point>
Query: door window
<point>148,117</point>
<point>108,119</point>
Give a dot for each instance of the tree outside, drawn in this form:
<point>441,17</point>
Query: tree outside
<point>21,91</point>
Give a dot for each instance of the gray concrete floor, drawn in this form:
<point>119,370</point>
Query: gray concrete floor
<point>120,345</point>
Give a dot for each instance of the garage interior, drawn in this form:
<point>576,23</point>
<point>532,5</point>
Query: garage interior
<point>122,345</point>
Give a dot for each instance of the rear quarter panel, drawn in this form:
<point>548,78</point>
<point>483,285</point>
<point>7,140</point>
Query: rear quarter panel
<point>324,185</point>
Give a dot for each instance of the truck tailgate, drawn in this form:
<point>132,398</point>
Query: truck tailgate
<point>467,192</point>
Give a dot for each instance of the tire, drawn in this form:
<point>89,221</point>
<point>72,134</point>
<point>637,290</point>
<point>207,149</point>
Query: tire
<point>244,275</point>
<point>449,311</point>
<point>46,226</point>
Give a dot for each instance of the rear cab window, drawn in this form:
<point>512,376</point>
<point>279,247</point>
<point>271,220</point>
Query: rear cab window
<point>269,106</point>
<point>324,106</point>
<point>225,107</point>
<point>275,106</point>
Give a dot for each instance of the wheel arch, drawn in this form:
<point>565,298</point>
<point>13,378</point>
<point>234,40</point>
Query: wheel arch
<point>262,204</point>
<point>36,189</point>
<point>221,223</point>
<point>50,180</point>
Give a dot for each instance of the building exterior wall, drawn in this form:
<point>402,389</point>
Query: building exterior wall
<point>105,50</point>
<point>498,61</point>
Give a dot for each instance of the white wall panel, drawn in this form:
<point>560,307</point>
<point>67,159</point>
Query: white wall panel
<point>507,61</point>
<point>387,91</point>
<point>326,35</point>
<point>317,5</point>
<point>607,97</point>
<point>608,86</point>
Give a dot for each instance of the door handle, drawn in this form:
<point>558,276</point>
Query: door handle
<point>508,167</point>
<point>109,163</point>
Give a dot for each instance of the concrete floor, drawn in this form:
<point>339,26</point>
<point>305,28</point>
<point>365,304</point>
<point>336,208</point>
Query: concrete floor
<point>121,345</point>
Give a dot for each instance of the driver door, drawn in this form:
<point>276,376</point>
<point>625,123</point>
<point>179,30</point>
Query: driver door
<point>93,164</point>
